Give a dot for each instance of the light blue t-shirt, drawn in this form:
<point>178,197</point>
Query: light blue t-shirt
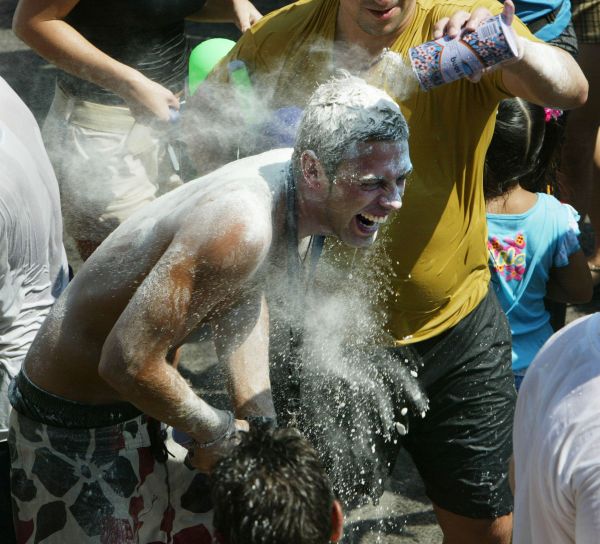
<point>530,11</point>
<point>522,250</point>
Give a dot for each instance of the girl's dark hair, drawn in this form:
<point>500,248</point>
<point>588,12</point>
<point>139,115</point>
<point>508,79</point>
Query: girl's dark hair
<point>524,149</point>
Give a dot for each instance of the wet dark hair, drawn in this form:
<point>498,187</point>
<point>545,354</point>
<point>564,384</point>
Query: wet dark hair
<point>523,150</point>
<point>272,489</point>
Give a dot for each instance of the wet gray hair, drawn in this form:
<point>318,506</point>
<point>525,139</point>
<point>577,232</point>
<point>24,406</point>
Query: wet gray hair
<point>341,113</point>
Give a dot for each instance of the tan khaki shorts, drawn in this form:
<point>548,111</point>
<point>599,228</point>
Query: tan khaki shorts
<point>107,165</point>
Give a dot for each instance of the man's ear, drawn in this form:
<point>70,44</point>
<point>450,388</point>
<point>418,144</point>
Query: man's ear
<point>337,521</point>
<point>312,169</point>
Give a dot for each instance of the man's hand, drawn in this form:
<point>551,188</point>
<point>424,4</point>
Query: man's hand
<point>459,23</point>
<point>463,22</point>
<point>204,458</point>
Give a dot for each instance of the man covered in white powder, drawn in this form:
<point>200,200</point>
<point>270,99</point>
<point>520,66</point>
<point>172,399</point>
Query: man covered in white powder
<point>557,440</point>
<point>90,461</point>
<point>33,264</point>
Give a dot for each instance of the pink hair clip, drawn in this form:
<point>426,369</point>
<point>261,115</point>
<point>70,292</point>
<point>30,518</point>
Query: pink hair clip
<point>552,114</point>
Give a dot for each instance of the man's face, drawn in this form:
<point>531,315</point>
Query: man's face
<point>367,187</point>
<point>375,17</point>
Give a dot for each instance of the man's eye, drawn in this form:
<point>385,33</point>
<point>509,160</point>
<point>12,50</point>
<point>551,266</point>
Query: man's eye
<point>370,186</point>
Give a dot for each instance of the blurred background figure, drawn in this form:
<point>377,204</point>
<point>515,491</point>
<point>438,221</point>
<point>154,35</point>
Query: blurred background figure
<point>272,489</point>
<point>557,440</point>
<point>532,238</point>
<point>33,264</point>
<point>122,72</point>
<point>581,158</point>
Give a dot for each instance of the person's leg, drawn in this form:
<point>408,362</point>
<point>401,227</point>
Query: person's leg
<point>7,531</point>
<point>463,445</point>
<point>463,530</point>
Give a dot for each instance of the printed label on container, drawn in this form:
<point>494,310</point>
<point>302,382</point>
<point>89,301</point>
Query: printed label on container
<point>445,60</point>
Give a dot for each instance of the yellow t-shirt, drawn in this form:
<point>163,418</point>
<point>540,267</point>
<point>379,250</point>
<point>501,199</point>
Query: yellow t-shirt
<point>437,241</point>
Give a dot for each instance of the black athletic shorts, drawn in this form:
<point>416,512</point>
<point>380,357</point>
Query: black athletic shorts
<point>463,445</point>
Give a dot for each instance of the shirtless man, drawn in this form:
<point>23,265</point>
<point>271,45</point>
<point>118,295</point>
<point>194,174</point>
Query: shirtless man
<point>81,432</point>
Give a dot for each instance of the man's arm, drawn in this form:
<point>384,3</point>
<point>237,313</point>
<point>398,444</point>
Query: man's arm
<point>241,338</point>
<point>198,272</point>
<point>542,74</point>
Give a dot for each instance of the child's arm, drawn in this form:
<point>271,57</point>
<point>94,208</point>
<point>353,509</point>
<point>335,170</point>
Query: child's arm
<point>571,283</point>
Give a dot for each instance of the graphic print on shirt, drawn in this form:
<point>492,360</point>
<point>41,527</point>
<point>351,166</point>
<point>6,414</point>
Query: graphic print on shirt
<point>508,256</point>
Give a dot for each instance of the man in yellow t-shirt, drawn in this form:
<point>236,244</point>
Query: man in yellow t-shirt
<point>441,305</point>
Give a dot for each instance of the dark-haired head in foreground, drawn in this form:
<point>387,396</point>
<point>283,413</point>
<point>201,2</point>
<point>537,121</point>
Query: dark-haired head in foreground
<point>272,489</point>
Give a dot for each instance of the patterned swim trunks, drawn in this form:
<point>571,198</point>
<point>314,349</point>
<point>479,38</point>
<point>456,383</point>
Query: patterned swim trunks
<point>103,485</point>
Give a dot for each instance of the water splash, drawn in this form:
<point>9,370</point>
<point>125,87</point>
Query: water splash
<point>354,394</point>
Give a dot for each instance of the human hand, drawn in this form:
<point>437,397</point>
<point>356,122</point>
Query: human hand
<point>463,22</point>
<point>204,458</point>
<point>460,23</point>
<point>508,16</point>
<point>245,14</point>
<point>148,99</point>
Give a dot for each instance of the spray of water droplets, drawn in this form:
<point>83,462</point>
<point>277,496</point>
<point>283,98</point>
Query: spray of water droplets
<point>355,395</point>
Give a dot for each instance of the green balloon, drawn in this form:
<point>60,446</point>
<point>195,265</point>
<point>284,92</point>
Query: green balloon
<point>204,57</point>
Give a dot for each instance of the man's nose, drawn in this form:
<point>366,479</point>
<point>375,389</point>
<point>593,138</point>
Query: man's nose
<point>392,199</point>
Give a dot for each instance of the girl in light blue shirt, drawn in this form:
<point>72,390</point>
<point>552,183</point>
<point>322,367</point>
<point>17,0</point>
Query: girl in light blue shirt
<point>533,247</point>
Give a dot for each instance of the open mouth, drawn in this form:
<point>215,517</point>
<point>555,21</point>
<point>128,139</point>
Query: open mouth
<point>369,223</point>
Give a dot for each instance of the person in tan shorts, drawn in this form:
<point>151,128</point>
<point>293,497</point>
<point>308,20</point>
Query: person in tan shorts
<point>121,73</point>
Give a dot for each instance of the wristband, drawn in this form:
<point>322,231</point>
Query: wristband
<point>230,430</point>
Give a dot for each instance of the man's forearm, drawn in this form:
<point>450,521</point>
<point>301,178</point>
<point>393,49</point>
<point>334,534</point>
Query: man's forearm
<point>242,343</point>
<point>546,75</point>
<point>162,393</point>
